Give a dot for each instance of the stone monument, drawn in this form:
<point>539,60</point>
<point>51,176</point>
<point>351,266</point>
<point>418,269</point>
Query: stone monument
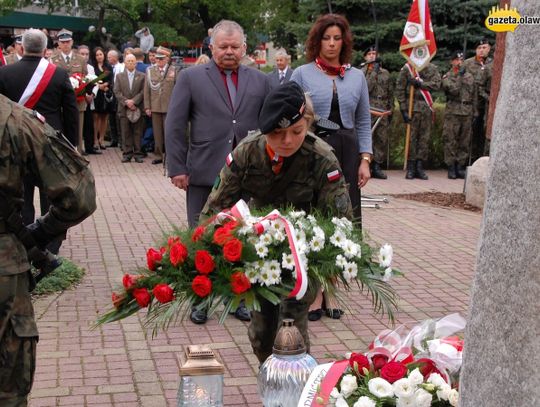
<point>502,340</point>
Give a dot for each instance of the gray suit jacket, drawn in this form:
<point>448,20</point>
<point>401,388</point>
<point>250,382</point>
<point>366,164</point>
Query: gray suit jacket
<point>123,93</point>
<point>274,77</point>
<point>201,98</point>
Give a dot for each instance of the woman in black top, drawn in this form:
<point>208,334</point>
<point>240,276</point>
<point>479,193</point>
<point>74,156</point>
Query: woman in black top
<point>104,100</point>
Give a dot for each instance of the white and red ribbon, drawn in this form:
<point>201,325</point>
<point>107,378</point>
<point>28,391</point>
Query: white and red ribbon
<point>37,84</point>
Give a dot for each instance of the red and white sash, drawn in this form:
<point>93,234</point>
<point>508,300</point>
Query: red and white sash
<point>2,59</point>
<point>425,93</point>
<point>38,83</point>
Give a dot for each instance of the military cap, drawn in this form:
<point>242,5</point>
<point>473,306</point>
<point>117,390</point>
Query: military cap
<point>64,35</point>
<point>163,52</point>
<point>17,39</point>
<point>283,107</point>
<point>369,49</point>
<point>482,42</point>
<point>456,54</point>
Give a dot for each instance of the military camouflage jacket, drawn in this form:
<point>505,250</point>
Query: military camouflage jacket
<point>481,71</point>
<point>28,145</point>
<point>380,87</point>
<point>431,82</point>
<point>459,91</point>
<point>312,176</point>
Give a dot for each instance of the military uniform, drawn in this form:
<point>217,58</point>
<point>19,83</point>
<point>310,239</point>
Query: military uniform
<point>12,58</point>
<point>481,71</point>
<point>28,145</point>
<point>422,119</point>
<point>381,96</point>
<point>458,85</point>
<point>250,175</point>
<point>157,94</point>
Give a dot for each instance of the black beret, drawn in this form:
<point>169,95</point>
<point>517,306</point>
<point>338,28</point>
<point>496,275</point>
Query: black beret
<point>369,49</point>
<point>456,54</point>
<point>17,39</point>
<point>482,42</point>
<point>283,107</point>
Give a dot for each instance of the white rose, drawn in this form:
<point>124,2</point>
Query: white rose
<point>340,402</point>
<point>436,379</point>
<point>364,402</point>
<point>453,397</point>
<point>334,395</point>
<point>444,391</point>
<point>348,385</point>
<point>416,377</point>
<point>406,402</point>
<point>380,387</point>
<point>403,388</point>
<point>423,398</point>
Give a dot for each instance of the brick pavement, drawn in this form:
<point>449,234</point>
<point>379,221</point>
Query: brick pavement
<point>121,365</point>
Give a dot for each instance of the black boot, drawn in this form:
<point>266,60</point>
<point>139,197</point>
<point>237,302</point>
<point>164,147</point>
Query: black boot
<point>460,171</point>
<point>452,171</point>
<point>410,170</point>
<point>420,170</point>
<point>376,171</point>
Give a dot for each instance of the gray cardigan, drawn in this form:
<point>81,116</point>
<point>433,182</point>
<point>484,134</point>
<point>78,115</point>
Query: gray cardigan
<point>353,99</point>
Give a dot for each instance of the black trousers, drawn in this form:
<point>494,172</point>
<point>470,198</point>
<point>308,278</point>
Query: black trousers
<point>195,199</point>
<point>88,130</point>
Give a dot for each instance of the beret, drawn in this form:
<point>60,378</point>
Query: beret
<point>369,49</point>
<point>482,42</point>
<point>283,107</point>
<point>456,54</point>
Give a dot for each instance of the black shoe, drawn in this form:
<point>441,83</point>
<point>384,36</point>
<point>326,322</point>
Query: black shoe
<point>114,144</point>
<point>452,171</point>
<point>460,171</point>
<point>410,170</point>
<point>334,313</point>
<point>102,147</point>
<point>139,160</point>
<point>126,159</point>
<point>84,153</point>
<point>198,316</point>
<point>420,170</point>
<point>377,172</point>
<point>242,313</point>
<point>157,161</point>
<point>315,315</point>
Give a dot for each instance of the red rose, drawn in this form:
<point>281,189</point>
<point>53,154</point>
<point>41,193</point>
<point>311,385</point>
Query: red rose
<point>202,286</point>
<point>178,253</point>
<point>129,280</point>
<point>153,257</point>
<point>172,240</point>
<point>142,296</point>
<point>231,225</point>
<point>117,299</point>
<point>239,283</point>
<point>379,361</point>
<point>222,235</point>
<point>204,262</point>
<point>163,293</point>
<point>197,233</point>
<point>358,362</point>
<point>232,251</point>
<point>393,371</point>
<point>427,366</point>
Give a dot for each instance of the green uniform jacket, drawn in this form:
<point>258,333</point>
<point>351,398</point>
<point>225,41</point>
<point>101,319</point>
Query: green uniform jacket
<point>28,145</point>
<point>431,82</point>
<point>380,87</point>
<point>482,81</point>
<point>311,185</point>
<point>459,91</point>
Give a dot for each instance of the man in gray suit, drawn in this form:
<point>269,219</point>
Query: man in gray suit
<point>282,72</point>
<point>221,100</point>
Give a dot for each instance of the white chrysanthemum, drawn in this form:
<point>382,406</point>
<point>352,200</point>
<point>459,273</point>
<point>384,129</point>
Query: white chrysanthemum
<point>453,398</point>
<point>261,249</point>
<point>341,261</point>
<point>266,239</point>
<point>312,220</point>
<point>287,261</point>
<point>253,239</point>
<point>278,236</point>
<point>244,230</point>
<point>303,247</point>
<point>350,249</point>
<point>416,377</point>
<point>316,244</point>
<point>300,236</point>
<point>406,402</point>
<point>270,273</point>
<point>343,223</point>
<point>444,391</point>
<point>348,385</point>
<point>338,239</point>
<point>380,387</point>
<point>387,274</point>
<point>385,255</point>
<point>303,259</point>
<point>277,226</point>
<point>318,232</point>
<point>297,214</point>
<point>403,388</point>
<point>436,379</point>
<point>423,398</point>
<point>350,271</point>
<point>252,274</point>
<point>364,401</point>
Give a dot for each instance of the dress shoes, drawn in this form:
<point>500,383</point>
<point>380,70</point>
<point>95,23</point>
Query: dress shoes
<point>334,313</point>
<point>242,313</point>
<point>157,161</point>
<point>126,159</point>
<point>198,316</point>
<point>114,144</point>
<point>315,314</point>
<point>93,151</point>
<point>139,160</point>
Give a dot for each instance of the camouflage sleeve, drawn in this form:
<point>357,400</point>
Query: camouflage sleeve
<point>333,194</point>
<point>451,84</point>
<point>64,173</point>
<point>227,188</point>
<point>401,88</point>
<point>484,87</point>
<point>391,89</point>
<point>431,78</point>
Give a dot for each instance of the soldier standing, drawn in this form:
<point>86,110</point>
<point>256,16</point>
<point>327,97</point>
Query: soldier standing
<point>18,54</point>
<point>424,82</point>
<point>381,96</point>
<point>29,146</point>
<point>480,67</point>
<point>458,85</point>
<point>73,63</point>
<point>282,165</point>
<point>160,81</point>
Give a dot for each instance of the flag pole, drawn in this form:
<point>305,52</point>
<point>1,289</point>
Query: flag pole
<point>408,134</point>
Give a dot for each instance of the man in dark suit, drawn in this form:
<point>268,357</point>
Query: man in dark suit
<point>221,100</point>
<point>37,84</point>
<point>282,72</point>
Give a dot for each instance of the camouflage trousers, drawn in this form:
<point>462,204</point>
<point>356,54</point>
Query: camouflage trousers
<point>456,138</point>
<point>265,324</point>
<point>421,125</point>
<point>380,139</point>
<point>18,339</point>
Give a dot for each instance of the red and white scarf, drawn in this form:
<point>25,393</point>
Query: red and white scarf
<point>38,83</point>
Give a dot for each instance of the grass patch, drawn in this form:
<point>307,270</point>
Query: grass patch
<point>62,278</point>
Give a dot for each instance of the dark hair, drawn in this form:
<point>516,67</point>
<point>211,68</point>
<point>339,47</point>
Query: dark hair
<point>106,66</point>
<point>313,42</point>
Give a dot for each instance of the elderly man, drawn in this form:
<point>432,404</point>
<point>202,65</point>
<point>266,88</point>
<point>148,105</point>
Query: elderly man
<point>18,54</point>
<point>221,100</point>
<point>282,72</point>
<point>113,57</point>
